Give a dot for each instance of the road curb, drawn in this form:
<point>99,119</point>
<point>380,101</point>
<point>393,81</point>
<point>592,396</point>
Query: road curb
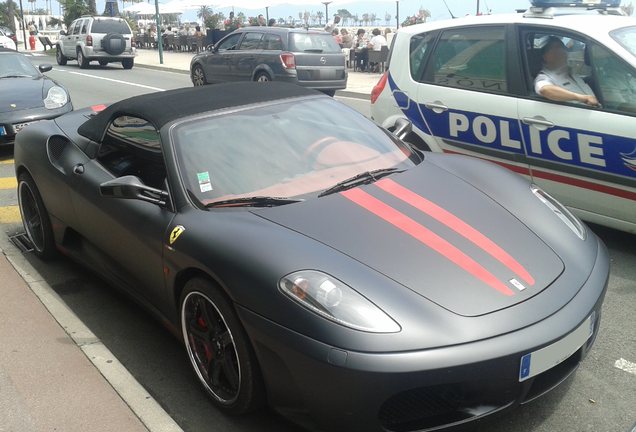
<point>142,404</point>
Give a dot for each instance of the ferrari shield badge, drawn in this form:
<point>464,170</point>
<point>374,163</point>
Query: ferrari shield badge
<point>176,232</point>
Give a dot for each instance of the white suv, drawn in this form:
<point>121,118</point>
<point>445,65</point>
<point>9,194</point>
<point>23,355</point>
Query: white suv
<point>467,86</point>
<point>105,39</point>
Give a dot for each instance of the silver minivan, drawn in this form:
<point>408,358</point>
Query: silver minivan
<point>307,58</point>
<point>105,39</point>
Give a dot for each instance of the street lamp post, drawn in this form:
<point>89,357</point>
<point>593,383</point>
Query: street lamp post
<point>477,8</point>
<point>397,14</point>
<point>159,35</point>
<point>326,3</point>
<point>23,26</point>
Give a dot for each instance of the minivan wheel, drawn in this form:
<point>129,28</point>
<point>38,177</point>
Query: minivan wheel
<point>262,77</point>
<point>81,60</point>
<point>198,76</point>
<point>59,56</point>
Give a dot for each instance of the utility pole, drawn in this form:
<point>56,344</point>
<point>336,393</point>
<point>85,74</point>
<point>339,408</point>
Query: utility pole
<point>23,26</point>
<point>477,8</point>
<point>397,14</point>
<point>159,35</point>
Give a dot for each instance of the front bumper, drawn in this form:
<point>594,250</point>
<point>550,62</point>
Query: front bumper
<point>331,389</point>
<point>12,121</point>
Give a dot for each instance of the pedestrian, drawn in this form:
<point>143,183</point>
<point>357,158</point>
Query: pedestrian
<point>347,40</point>
<point>336,35</point>
<point>361,46</point>
<point>261,20</point>
<point>271,22</point>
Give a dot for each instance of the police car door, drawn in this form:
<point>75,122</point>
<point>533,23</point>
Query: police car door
<point>584,156</point>
<point>465,95</point>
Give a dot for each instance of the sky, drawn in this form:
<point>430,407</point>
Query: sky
<point>380,8</point>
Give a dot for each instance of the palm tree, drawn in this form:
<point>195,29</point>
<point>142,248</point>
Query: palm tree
<point>204,12</point>
<point>320,15</point>
<point>92,7</point>
<point>387,18</point>
<point>365,19</point>
<point>281,21</point>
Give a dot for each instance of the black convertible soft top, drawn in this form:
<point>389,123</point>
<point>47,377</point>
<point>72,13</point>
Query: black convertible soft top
<point>164,107</point>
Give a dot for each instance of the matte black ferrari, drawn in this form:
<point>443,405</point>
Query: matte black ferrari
<point>314,261</point>
<point>27,95</point>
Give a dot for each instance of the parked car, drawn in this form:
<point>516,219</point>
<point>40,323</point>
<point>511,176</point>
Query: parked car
<point>7,38</point>
<point>468,87</point>
<point>309,258</point>
<point>90,38</point>
<point>27,95</point>
<point>308,58</point>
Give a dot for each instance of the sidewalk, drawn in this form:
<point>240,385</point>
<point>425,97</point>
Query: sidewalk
<point>359,84</point>
<point>55,375</point>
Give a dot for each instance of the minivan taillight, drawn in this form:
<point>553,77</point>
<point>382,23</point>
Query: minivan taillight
<point>375,93</point>
<point>288,60</point>
<point>89,40</point>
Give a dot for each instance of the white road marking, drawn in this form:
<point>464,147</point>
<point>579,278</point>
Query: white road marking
<point>625,365</point>
<point>110,79</point>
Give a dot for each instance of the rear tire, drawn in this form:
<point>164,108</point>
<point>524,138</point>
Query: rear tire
<point>198,76</point>
<point>262,77</point>
<point>35,217</point>
<point>82,61</point>
<point>218,348</point>
<point>59,56</point>
<point>103,63</point>
<point>128,63</point>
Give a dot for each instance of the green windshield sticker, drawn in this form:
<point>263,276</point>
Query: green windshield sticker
<point>204,181</point>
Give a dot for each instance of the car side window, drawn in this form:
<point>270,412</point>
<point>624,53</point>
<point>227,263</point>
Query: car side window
<point>84,29</point>
<point>132,146</point>
<point>471,59</point>
<point>76,28</point>
<point>230,42</point>
<point>272,42</point>
<point>73,27</point>
<point>419,47</point>
<point>251,41</point>
<point>616,80</point>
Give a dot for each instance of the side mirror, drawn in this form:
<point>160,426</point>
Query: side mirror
<point>131,187</point>
<point>45,67</point>
<point>403,127</point>
<point>62,33</point>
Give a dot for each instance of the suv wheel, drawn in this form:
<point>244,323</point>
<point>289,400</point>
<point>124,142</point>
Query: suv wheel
<point>81,60</point>
<point>59,56</point>
<point>128,63</point>
<point>103,62</point>
<point>198,76</point>
<point>262,77</point>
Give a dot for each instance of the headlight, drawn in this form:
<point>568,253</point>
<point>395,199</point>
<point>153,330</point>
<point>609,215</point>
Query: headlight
<point>55,98</point>
<point>559,209</point>
<point>334,300</point>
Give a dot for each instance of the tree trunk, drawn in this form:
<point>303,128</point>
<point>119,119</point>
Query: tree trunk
<point>11,15</point>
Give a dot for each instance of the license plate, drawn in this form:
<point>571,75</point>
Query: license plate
<point>539,361</point>
<point>329,74</point>
<point>3,131</point>
<point>19,126</point>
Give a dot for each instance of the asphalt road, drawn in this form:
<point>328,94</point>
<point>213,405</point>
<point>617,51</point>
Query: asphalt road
<point>599,398</point>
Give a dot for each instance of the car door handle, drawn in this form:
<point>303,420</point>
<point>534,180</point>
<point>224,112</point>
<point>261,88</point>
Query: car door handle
<point>437,107</point>
<point>539,122</point>
<point>78,169</point>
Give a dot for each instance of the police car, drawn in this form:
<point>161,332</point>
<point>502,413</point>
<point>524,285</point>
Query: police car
<point>468,86</point>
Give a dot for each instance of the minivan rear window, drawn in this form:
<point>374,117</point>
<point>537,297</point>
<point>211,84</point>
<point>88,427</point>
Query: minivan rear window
<point>110,26</point>
<point>313,42</point>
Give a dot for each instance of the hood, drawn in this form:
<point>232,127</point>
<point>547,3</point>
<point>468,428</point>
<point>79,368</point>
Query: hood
<point>25,93</point>
<point>436,235</point>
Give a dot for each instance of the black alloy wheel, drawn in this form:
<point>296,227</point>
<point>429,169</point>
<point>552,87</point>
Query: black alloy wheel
<point>218,348</point>
<point>35,217</point>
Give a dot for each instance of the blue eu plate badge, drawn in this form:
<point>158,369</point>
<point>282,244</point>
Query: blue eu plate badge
<point>3,131</point>
<point>524,370</point>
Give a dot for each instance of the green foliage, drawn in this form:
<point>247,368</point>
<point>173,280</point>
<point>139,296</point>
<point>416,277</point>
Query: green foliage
<point>214,21</point>
<point>8,10</point>
<point>74,9</point>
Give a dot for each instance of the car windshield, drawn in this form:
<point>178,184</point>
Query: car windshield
<point>626,37</point>
<point>110,26</point>
<point>16,65</point>
<point>313,42</point>
<point>284,149</point>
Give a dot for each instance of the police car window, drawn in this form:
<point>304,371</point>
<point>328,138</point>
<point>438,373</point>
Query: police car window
<point>132,146</point>
<point>419,47</point>
<point>472,58</point>
<point>616,80</point>
<point>627,38</point>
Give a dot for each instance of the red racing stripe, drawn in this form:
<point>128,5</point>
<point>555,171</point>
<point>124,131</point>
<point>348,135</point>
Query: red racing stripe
<point>456,224</point>
<point>426,236</point>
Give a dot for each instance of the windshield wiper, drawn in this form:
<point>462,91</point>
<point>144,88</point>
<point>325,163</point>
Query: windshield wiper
<point>360,179</point>
<point>256,201</point>
<point>16,76</point>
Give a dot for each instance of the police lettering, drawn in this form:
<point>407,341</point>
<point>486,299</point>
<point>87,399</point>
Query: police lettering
<point>557,142</point>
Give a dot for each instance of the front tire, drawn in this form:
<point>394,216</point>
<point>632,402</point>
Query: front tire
<point>82,61</point>
<point>198,76</point>
<point>128,63</point>
<point>218,348</point>
<point>262,77</point>
<point>60,57</point>
<point>35,217</point>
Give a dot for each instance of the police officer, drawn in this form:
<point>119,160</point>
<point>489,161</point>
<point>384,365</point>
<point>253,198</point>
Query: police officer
<point>556,82</point>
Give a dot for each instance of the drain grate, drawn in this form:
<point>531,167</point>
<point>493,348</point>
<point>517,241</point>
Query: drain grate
<point>22,242</point>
